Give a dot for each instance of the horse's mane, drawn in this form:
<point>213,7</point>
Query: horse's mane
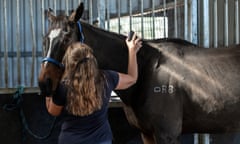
<point>113,34</point>
<point>173,40</point>
<point>123,37</point>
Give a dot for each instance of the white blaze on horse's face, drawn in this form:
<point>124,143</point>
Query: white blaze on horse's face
<point>53,34</point>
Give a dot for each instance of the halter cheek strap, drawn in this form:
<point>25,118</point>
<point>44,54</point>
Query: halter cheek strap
<point>81,32</point>
<point>53,61</point>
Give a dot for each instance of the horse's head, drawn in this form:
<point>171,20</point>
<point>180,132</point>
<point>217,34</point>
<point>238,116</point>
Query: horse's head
<point>63,30</point>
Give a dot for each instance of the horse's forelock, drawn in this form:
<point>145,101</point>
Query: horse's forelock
<point>60,21</point>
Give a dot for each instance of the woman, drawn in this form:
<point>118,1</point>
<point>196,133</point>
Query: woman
<point>84,94</point>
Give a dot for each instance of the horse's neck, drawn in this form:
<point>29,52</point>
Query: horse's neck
<point>110,51</point>
<point>76,36</point>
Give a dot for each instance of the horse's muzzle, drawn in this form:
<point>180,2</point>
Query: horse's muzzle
<point>45,87</point>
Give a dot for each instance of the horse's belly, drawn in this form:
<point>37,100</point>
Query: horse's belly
<point>224,120</point>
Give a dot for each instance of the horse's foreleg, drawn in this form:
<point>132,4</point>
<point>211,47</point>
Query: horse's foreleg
<point>168,129</point>
<point>148,139</point>
<point>166,138</point>
<point>167,125</point>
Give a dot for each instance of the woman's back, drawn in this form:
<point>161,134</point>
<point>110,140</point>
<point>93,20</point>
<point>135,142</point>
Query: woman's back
<point>90,128</point>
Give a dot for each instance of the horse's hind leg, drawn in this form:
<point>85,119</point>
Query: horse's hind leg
<point>165,138</point>
<point>148,139</point>
<point>168,126</point>
<point>168,131</point>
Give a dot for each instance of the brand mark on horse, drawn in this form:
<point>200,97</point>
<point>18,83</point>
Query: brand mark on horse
<point>164,89</point>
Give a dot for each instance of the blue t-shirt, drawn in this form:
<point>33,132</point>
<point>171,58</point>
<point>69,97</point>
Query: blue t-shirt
<point>91,129</point>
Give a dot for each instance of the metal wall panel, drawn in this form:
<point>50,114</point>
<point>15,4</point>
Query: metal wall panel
<point>222,18</point>
<point>23,24</point>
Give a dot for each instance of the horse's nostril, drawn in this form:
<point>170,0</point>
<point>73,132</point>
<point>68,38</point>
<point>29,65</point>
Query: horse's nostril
<point>42,87</point>
<point>48,86</point>
<point>48,82</point>
<point>45,86</point>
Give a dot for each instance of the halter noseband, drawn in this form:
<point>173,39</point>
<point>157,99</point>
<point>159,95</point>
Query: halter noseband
<point>53,61</point>
<point>57,63</point>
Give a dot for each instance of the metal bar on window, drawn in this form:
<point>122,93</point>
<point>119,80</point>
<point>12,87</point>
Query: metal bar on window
<point>43,18</point>
<point>186,19</point>
<point>164,17</point>
<point>215,23</point>
<point>206,23</point>
<point>66,6</point>
<point>108,14</point>
<point>101,13</point>
<point>236,22</point>
<point>195,138</point>
<point>190,20</point>
<point>226,22</point>
<point>119,15</point>
<point>153,19</point>
<point>175,19</point>
<point>55,6</point>
<point>142,26</point>
<point>5,44</point>
<point>2,48</point>
<point>18,43</point>
<point>130,14</point>
<point>34,43</point>
<point>206,138</point>
<point>90,12</point>
<point>194,21</point>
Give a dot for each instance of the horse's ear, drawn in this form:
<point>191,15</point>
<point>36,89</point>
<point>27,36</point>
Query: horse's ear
<point>75,16</point>
<point>51,15</point>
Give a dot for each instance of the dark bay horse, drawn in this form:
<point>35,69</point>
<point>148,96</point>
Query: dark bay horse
<point>182,88</point>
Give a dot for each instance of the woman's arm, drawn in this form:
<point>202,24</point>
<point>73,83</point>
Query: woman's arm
<point>127,80</point>
<point>52,108</point>
<point>55,102</point>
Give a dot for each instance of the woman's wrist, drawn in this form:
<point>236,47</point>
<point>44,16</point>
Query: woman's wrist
<point>132,50</point>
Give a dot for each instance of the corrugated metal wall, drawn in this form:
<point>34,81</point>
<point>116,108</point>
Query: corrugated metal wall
<point>218,22</point>
<point>23,24</point>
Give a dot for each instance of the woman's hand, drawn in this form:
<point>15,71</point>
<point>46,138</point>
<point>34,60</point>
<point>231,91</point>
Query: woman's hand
<point>134,44</point>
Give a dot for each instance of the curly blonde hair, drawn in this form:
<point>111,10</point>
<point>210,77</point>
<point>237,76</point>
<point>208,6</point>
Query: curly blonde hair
<point>83,79</point>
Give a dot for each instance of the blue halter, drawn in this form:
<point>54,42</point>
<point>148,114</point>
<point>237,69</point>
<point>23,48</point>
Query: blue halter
<point>81,32</point>
<point>53,61</point>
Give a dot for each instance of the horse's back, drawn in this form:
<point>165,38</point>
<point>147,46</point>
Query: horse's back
<point>206,80</point>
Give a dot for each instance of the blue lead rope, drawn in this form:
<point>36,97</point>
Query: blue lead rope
<point>81,32</point>
<point>17,100</point>
<point>17,105</point>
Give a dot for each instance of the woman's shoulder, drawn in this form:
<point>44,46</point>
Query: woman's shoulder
<point>112,77</point>
<point>110,73</point>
